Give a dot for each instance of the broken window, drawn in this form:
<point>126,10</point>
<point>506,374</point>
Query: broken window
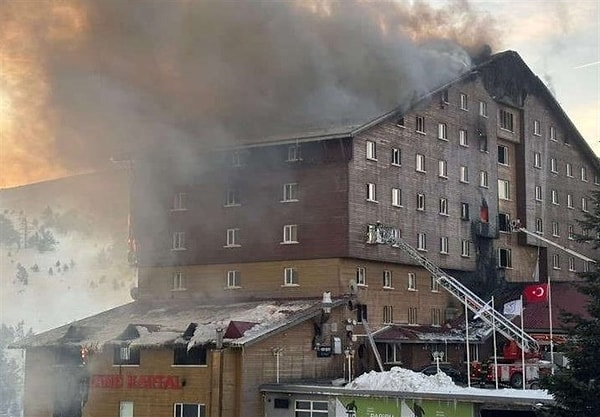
<point>125,355</point>
<point>184,356</point>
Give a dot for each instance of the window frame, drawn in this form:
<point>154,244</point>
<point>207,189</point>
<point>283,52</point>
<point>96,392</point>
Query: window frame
<point>178,283</point>
<point>503,155</point>
<point>506,120</point>
<point>412,281</point>
<point>420,163</point>
<point>464,102</point>
<point>361,276</point>
<point>504,262</point>
<point>465,211</point>
<point>443,206</point>
<point>178,241</point>
<point>537,128</point>
<point>290,192</point>
<point>396,197</point>
<point>387,279</point>
<point>371,150</point>
<point>421,203</point>
<point>504,186</point>
<point>463,138</point>
<point>311,411</point>
<point>290,234</point>
<point>420,125</point>
<point>179,202</point>
<point>396,157</point>
<point>422,242</point>
<point>125,355</point>
<point>234,278</point>
<point>483,109</point>
<point>290,277</point>
<point>388,315</point>
<point>465,248</point>
<point>464,174</point>
<point>442,131</point>
<point>232,197</point>
<point>537,160</point>
<point>201,409</point>
<point>484,179</point>
<point>444,245</point>
<point>372,192</point>
<point>232,238</point>
<point>413,318</point>
<point>443,168</point>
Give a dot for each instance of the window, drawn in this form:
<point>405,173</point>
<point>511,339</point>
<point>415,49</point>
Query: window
<point>464,103</point>
<point>178,241</point>
<point>442,168</point>
<point>503,190</point>
<point>444,245</point>
<point>436,317</point>
<point>290,192</point>
<point>290,233</point>
<point>361,312</point>
<point>234,279</point>
<point>503,154</point>
<point>124,355</point>
<point>126,409</point>
<point>309,408</point>
<point>584,176</point>
<point>179,201</point>
<point>504,222</point>
<point>553,165</point>
<point>570,201</point>
<point>537,129</point>
<point>571,264</point>
<point>552,133</point>
<point>444,96</point>
<point>483,111</point>
<point>293,154</point>
<point>584,204</point>
<point>463,139</point>
<point>420,163</point>
<point>371,150</point>
<point>504,258</point>
<point>290,277</point>
<point>396,197</point>
<point>420,202</point>
<point>442,131</point>
<point>539,227</point>
<point>421,241</point>
<point>232,197</point>
<point>236,159</point>
<point>412,281</point>
<point>233,236</point>
<point>483,179</point>
<point>465,248</point>
<point>555,229</point>
<point>586,266</point>
<point>435,285</point>
<point>443,206</point>
<point>178,283</point>
<point>566,140</point>
<point>483,142</point>
<point>388,314</point>
<point>420,124</point>
<point>189,410</point>
<point>571,232</point>
<point>554,196</point>
<point>569,169</point>
<point>538,193</point>
<point>184,356</point>
<point>387,279</point>
<point>393,353</point>
<point>537,160</point>
<point>506,120</point>
<point>464,211</point>
<point>396,157</point>
<point>400,122</point>
<point>556,261</point>
<point>464,174</point>
<point>371,192</point>
<point>412,315</point>
<point>361,276</point>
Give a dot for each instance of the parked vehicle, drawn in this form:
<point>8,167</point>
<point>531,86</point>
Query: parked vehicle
<point>457,375</point>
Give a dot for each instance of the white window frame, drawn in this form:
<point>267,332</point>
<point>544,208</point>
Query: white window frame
<point>554,197</point>
<point>555,229</point>
<point>443,131</point>
<point>445,97</point>
<point>569,169</point>
<point>361,276</point>
<point>387,279</point>
<point>420,163</point>
<point>464,102</point>
<point>570,200</point>
<point>464,174</point>
<point>293,154</point>
<point>506,120</point>
<point>290,192</point>
<point>584,176</point>
<point>553,165</point>
<point>503,155</point>
<point>371,150</point>
<point>584,204</point>
<point>465,211</point>
<point>553,134</point>
<point>539,226</point>
<point>465,248</point>
<point>126,409</point>
<point>311,412</point>
<point>179,202</point>
<point>371,192</point>
<point>234,279</point>
<point>421,202</point>
<point>178,241</point>
<point>537,160</point>
<point>508,258</point>
<point>572,264</point>
<point>436,317</point>
<point>393,353</point>
<point>463,138</point>
<point>556,261</point>
<point>396,157</point>
<point>483,179</point>
<point>483,110</point>
<point>420,124</point>
<point>232,238</point>
<point>443,206</point>
<point>442,168</point>
<point>290,277</point>
<point>200,409</point>
<point>538,193</point>
<point>503,189</point>
<point>388,314</point>
<point>396,197</point>
<point>422,242</point>
<point>537,128</point>
<point>290,234</point>
<point>571,232</point>
<point>412,281</point>
<point>444,245</point>
<point>178,281</point>
<point>412,316</point>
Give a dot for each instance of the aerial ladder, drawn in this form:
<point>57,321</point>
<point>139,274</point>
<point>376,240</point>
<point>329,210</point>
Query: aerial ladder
<point>386,235</point>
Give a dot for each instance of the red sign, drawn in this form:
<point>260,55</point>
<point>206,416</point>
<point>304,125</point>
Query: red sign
<point>136,381</point>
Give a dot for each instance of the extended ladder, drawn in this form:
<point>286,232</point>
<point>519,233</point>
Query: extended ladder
<point>372,342</point>
<point>379,234</point>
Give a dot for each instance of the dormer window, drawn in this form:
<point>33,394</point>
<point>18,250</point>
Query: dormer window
<point>125,355</point>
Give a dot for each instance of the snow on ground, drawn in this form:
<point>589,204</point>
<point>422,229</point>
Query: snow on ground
<point>400,379</point>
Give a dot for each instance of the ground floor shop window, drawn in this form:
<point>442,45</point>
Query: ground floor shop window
<point>126,409</point>
<point>307,408</point>
<point>189,410</point>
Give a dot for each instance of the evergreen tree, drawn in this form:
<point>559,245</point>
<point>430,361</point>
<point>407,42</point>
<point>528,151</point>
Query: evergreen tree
<point>576,388</point>
<point>8,233</point>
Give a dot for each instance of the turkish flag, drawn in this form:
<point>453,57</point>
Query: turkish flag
<point>536,293</point>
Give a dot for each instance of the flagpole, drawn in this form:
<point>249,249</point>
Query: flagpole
<point>467,343</point>
<point>550,321</point>
<point>495,345</point>
<point>522,344</point>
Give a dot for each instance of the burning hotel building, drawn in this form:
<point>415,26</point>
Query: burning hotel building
<point>233,263</point>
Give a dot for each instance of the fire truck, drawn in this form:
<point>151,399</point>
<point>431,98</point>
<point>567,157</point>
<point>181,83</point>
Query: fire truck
<point>509,367</point>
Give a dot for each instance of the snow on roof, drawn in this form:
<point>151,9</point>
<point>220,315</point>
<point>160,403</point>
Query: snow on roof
<point>478,332</point>
<point>167,323</point>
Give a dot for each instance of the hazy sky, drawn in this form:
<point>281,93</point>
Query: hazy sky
<point>560,41</point>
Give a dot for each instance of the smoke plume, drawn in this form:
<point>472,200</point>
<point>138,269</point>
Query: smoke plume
<point>84,80</point>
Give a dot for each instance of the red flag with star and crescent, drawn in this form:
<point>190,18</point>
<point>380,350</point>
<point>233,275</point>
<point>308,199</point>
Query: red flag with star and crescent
<point>536,293</point>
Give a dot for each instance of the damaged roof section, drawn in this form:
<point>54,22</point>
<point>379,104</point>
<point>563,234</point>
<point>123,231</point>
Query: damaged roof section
<point>177,323</point>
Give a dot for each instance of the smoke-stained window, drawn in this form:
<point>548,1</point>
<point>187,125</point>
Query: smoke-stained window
<point>504,222</point>
<point>293,153</point>
<point>503,155</point>
<point>483,109</point>
<point>232,197</point>
<point>504,258</point>
<point>178,281</point>
<point>464,102</point>
<point>178,241</point>
<point>179,201</point>
<point>125,355</point>
<point>184,356</point>
<point>445,97</point>
<point>420,124</point>
<point>400,122</point>
<point>420,201</point>
<point>506,120</point>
